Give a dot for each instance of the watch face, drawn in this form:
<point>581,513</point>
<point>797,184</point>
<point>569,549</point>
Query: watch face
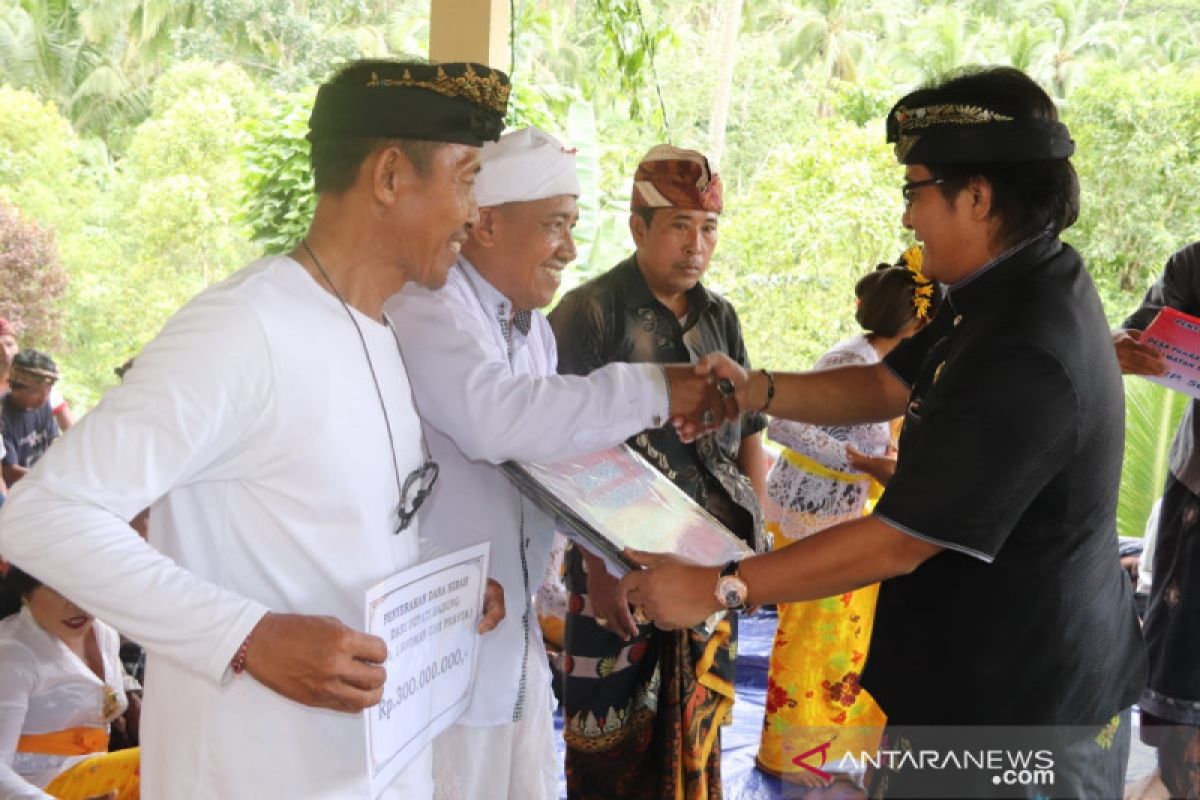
<point>731,591</point>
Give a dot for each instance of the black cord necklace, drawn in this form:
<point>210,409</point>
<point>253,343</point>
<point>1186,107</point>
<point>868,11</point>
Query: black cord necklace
<point>425,475</point>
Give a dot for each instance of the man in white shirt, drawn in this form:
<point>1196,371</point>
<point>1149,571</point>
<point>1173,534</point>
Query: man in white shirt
<point>279,492</point>
<point>483,366</point>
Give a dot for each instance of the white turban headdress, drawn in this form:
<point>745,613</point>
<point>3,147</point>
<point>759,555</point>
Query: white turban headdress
<point>527,164</point>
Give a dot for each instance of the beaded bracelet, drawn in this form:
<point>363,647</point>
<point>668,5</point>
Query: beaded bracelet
<point>770,390</point>
<point>238,663</point>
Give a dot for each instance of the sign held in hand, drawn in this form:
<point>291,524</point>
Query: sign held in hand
<point>427,615</point>
<point>1177,336</point>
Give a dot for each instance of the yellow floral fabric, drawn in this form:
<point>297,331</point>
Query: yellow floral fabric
<point>106,772</point>
<point>816,711</point>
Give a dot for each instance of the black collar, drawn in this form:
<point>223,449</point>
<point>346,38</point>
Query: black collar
<point>977,289</point>
<point>638,294</point>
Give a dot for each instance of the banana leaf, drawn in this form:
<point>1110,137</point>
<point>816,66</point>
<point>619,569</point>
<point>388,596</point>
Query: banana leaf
<point>1152,414</point>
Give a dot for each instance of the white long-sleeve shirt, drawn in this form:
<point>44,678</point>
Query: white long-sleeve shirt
<point>481,410</point>
<point>46,688</point>
<point>252,425</point>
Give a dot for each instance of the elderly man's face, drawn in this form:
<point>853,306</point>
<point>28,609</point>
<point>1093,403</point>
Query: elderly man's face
<point>673,251</point>
<point>431,223</point>
<point>534,243</point>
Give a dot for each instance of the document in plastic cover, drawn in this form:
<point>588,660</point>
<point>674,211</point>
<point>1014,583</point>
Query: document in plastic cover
<point>614,499</point>
<point>1177,336</point>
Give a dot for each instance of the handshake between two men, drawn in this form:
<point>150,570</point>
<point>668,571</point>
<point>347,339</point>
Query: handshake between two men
<point>713,391</point>
<point>318,661</point>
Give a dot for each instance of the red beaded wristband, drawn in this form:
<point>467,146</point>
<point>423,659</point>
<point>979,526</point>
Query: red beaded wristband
<point>238,664</point>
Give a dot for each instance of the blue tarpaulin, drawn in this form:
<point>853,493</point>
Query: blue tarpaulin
<point>739,741</point>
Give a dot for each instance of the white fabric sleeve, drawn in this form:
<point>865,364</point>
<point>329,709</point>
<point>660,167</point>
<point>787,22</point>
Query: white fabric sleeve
<point>181,414</point>
<point>466,390</point>
<point>18,679</point>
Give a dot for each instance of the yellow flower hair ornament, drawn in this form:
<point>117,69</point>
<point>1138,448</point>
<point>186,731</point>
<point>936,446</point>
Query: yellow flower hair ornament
<point>923,288</point>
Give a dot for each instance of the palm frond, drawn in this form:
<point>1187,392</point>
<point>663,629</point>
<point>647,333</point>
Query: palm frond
<point>1152,414</point>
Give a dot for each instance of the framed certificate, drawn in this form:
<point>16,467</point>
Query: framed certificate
<point>615,499</point>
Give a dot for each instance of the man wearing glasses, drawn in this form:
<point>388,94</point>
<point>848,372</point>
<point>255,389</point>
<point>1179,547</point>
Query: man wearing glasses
<point>279,492</point>
<point>1004,623</point>
<point>483,364</point>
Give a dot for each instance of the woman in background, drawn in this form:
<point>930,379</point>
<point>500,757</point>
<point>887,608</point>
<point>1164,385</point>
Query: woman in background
<point>61,687</point>
<point>816,712</point>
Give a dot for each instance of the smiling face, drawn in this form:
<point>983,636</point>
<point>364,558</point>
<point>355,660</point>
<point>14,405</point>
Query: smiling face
<point>431,209</point>
<point>947,228</point>
<point>58,615</point>
<point>526,246</point>
<point>673,251</point>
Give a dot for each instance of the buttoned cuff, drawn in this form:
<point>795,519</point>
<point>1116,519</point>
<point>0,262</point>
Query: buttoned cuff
<point>656,404</point>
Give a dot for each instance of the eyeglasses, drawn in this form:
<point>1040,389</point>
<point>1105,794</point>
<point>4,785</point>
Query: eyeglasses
<point>422,480</point>
<point>909,190</point>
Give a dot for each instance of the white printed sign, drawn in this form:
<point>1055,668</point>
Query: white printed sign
<point>427,615</point>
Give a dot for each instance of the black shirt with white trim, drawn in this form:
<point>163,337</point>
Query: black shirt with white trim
<point>1010,459</point>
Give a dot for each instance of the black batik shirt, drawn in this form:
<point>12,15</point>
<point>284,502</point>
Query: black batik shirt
<point>615,317</point>
<point>1010,459</point>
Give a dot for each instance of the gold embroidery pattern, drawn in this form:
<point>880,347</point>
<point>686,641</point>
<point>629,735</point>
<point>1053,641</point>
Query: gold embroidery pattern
<point>489,90</point>
<point>915,119</point>
<point>912,121</point>
<point>904,144</point>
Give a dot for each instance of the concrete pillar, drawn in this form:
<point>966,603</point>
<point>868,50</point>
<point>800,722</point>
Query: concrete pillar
<point>469,30</point>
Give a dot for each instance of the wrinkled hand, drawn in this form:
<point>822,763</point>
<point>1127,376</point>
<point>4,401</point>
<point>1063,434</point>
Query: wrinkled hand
<point>493,606</point>
<point>609,604</point>
<point>697,407</point>
<point>317,661</point>
<point>671,591</point>
<point>1136,358</point>
<point>881,468</point>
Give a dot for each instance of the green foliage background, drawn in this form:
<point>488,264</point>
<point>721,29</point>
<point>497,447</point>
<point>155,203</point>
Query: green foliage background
<point>162,143</point>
